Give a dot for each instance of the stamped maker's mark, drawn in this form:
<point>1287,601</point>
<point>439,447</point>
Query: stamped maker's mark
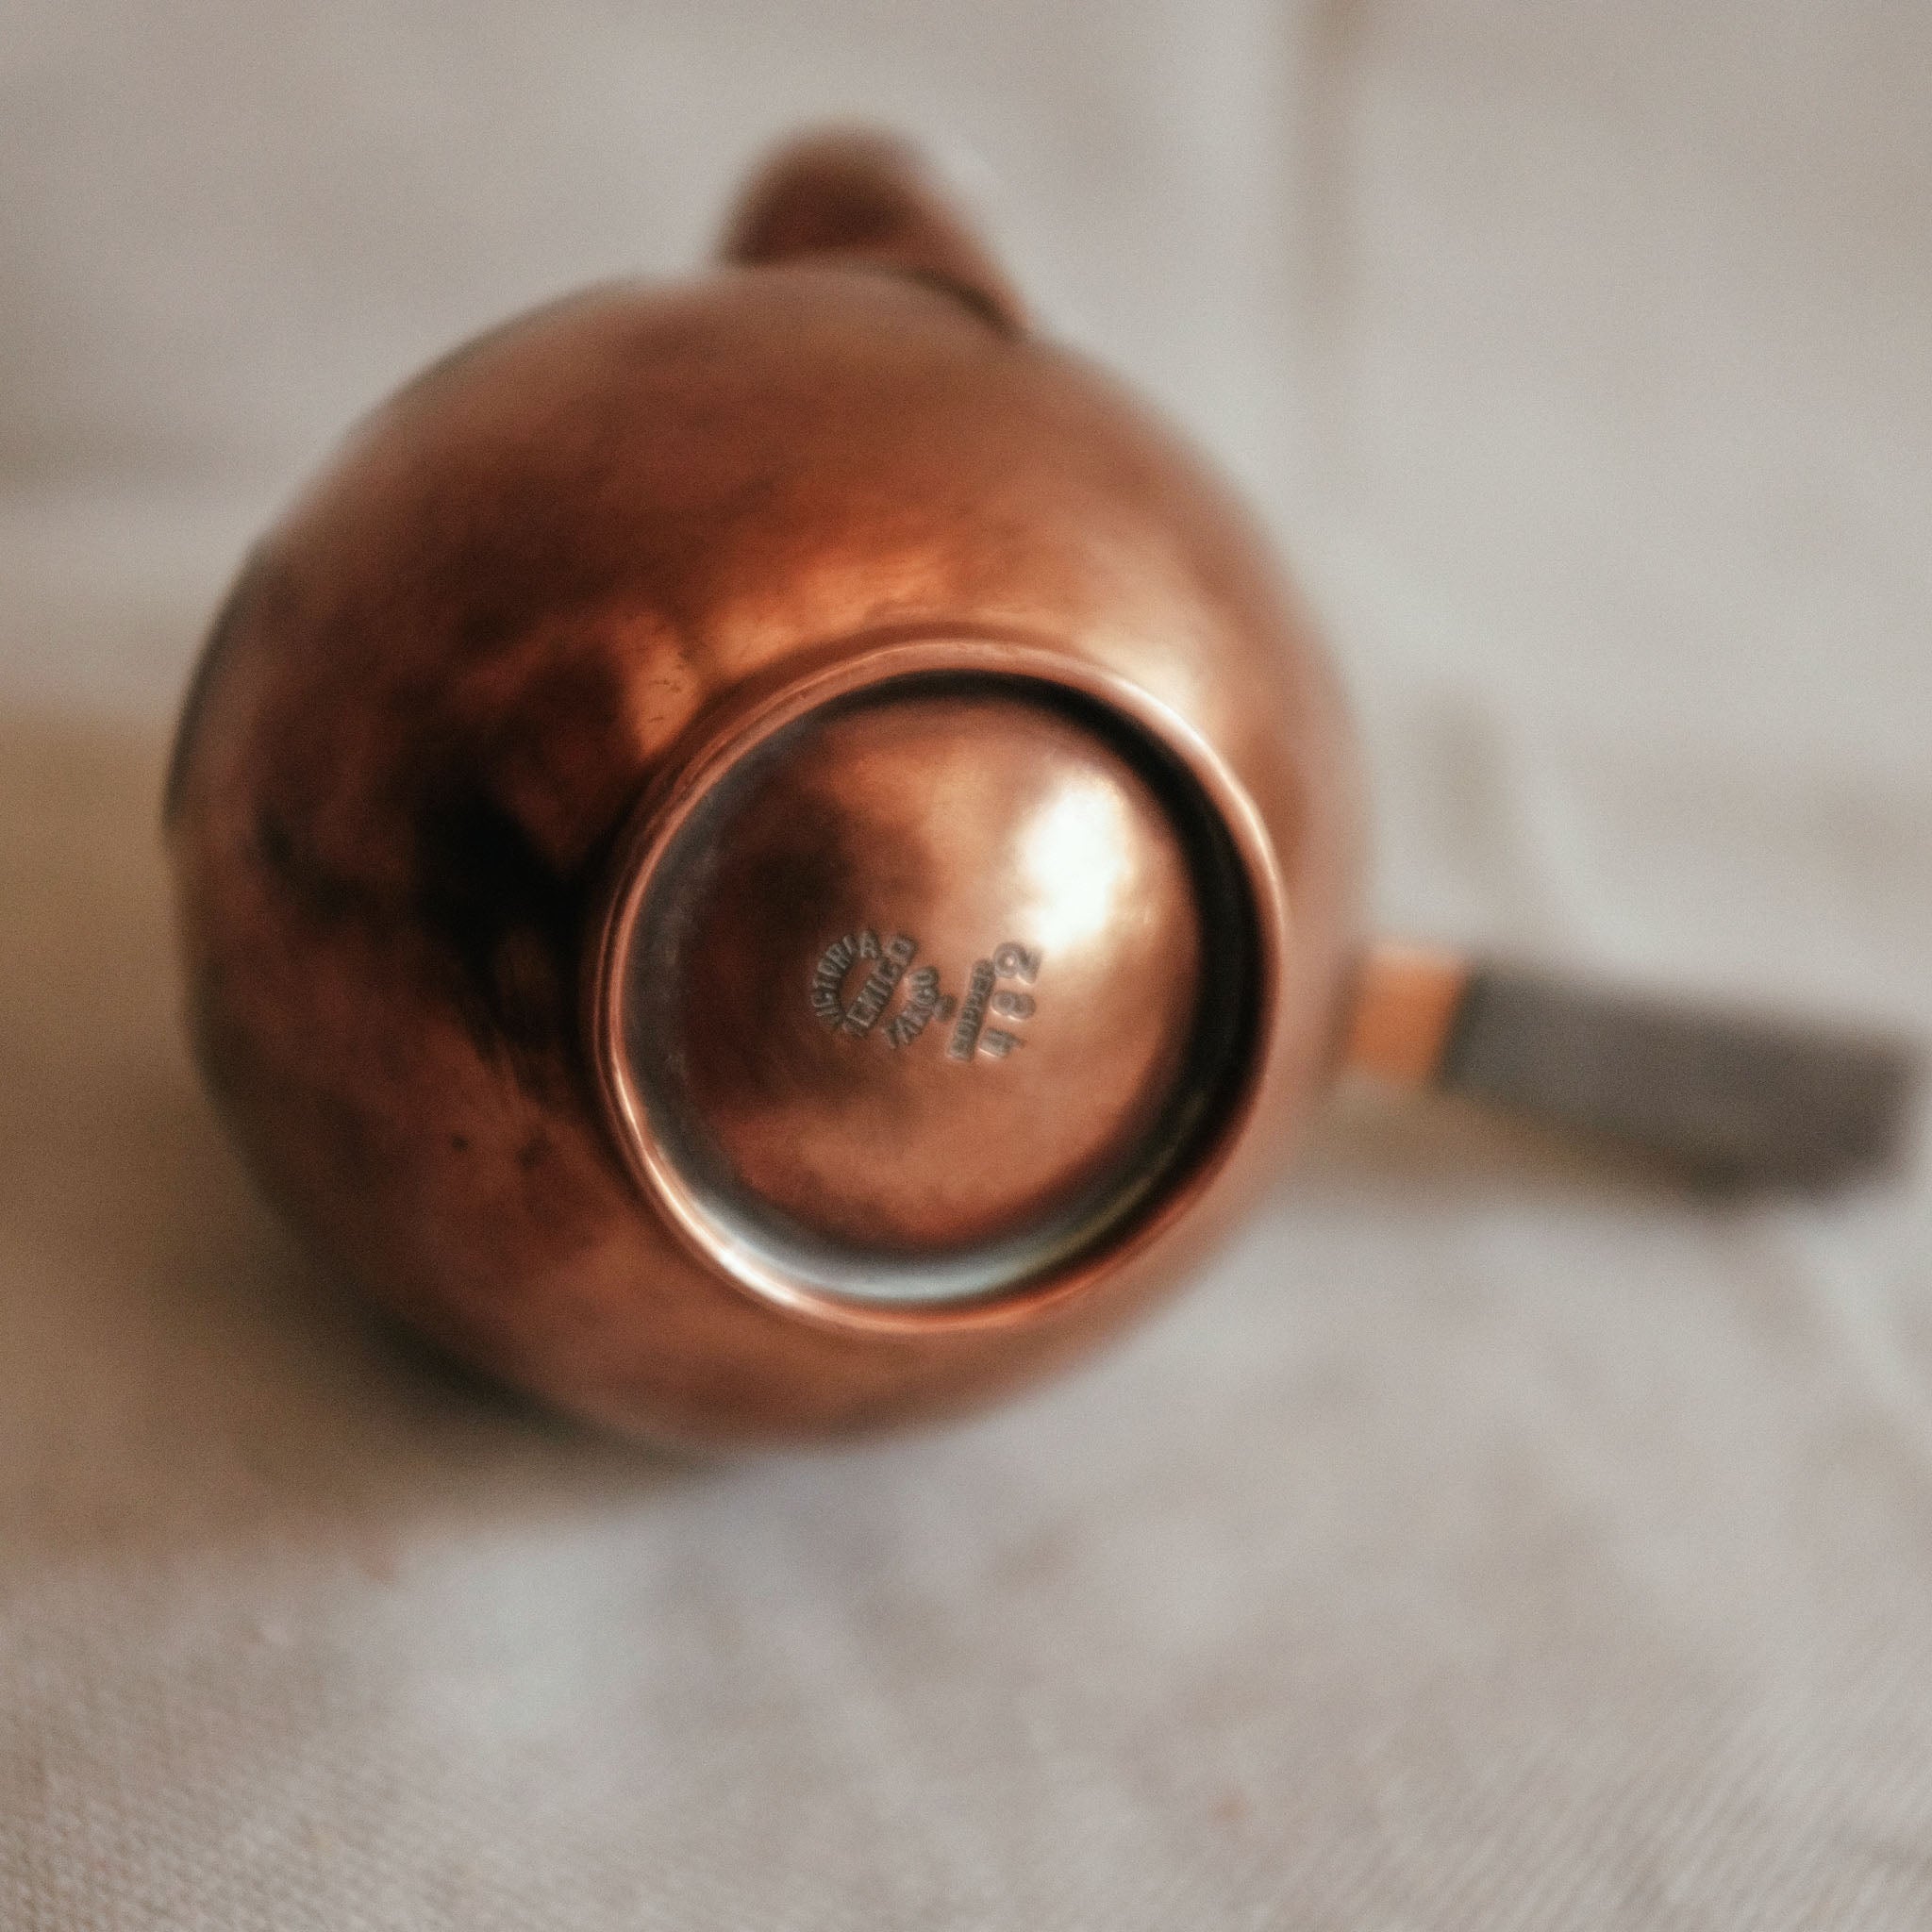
<point>889,965</point>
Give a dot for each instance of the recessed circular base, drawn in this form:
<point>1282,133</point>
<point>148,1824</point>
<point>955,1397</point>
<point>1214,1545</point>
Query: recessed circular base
<point>930,990</point>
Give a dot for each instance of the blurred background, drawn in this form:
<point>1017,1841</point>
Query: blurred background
<point>1489,1540</point>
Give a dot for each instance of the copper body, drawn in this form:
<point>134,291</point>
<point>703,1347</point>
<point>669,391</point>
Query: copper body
<point>770,854</point>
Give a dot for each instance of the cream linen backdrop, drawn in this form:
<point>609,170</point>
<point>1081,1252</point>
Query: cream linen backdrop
<point>1490,1540</point>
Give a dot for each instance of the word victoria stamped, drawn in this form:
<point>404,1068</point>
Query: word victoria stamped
<point>889,964</point>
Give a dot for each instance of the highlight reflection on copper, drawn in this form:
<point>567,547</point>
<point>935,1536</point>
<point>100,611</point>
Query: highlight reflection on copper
<point>1077,861</point>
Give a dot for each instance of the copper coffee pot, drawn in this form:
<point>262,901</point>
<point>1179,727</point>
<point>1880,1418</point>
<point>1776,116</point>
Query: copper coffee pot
<point>773,853</point>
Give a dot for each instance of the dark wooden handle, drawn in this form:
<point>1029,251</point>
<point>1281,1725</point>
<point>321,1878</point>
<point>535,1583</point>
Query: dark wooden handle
<point>1731,1098</point>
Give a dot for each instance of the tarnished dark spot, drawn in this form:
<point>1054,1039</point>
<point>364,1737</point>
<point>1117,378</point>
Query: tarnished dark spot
<point>505,918</point>
<point>321,894</point>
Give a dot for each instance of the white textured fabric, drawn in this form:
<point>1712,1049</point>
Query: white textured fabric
<point>1488,1540</point>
